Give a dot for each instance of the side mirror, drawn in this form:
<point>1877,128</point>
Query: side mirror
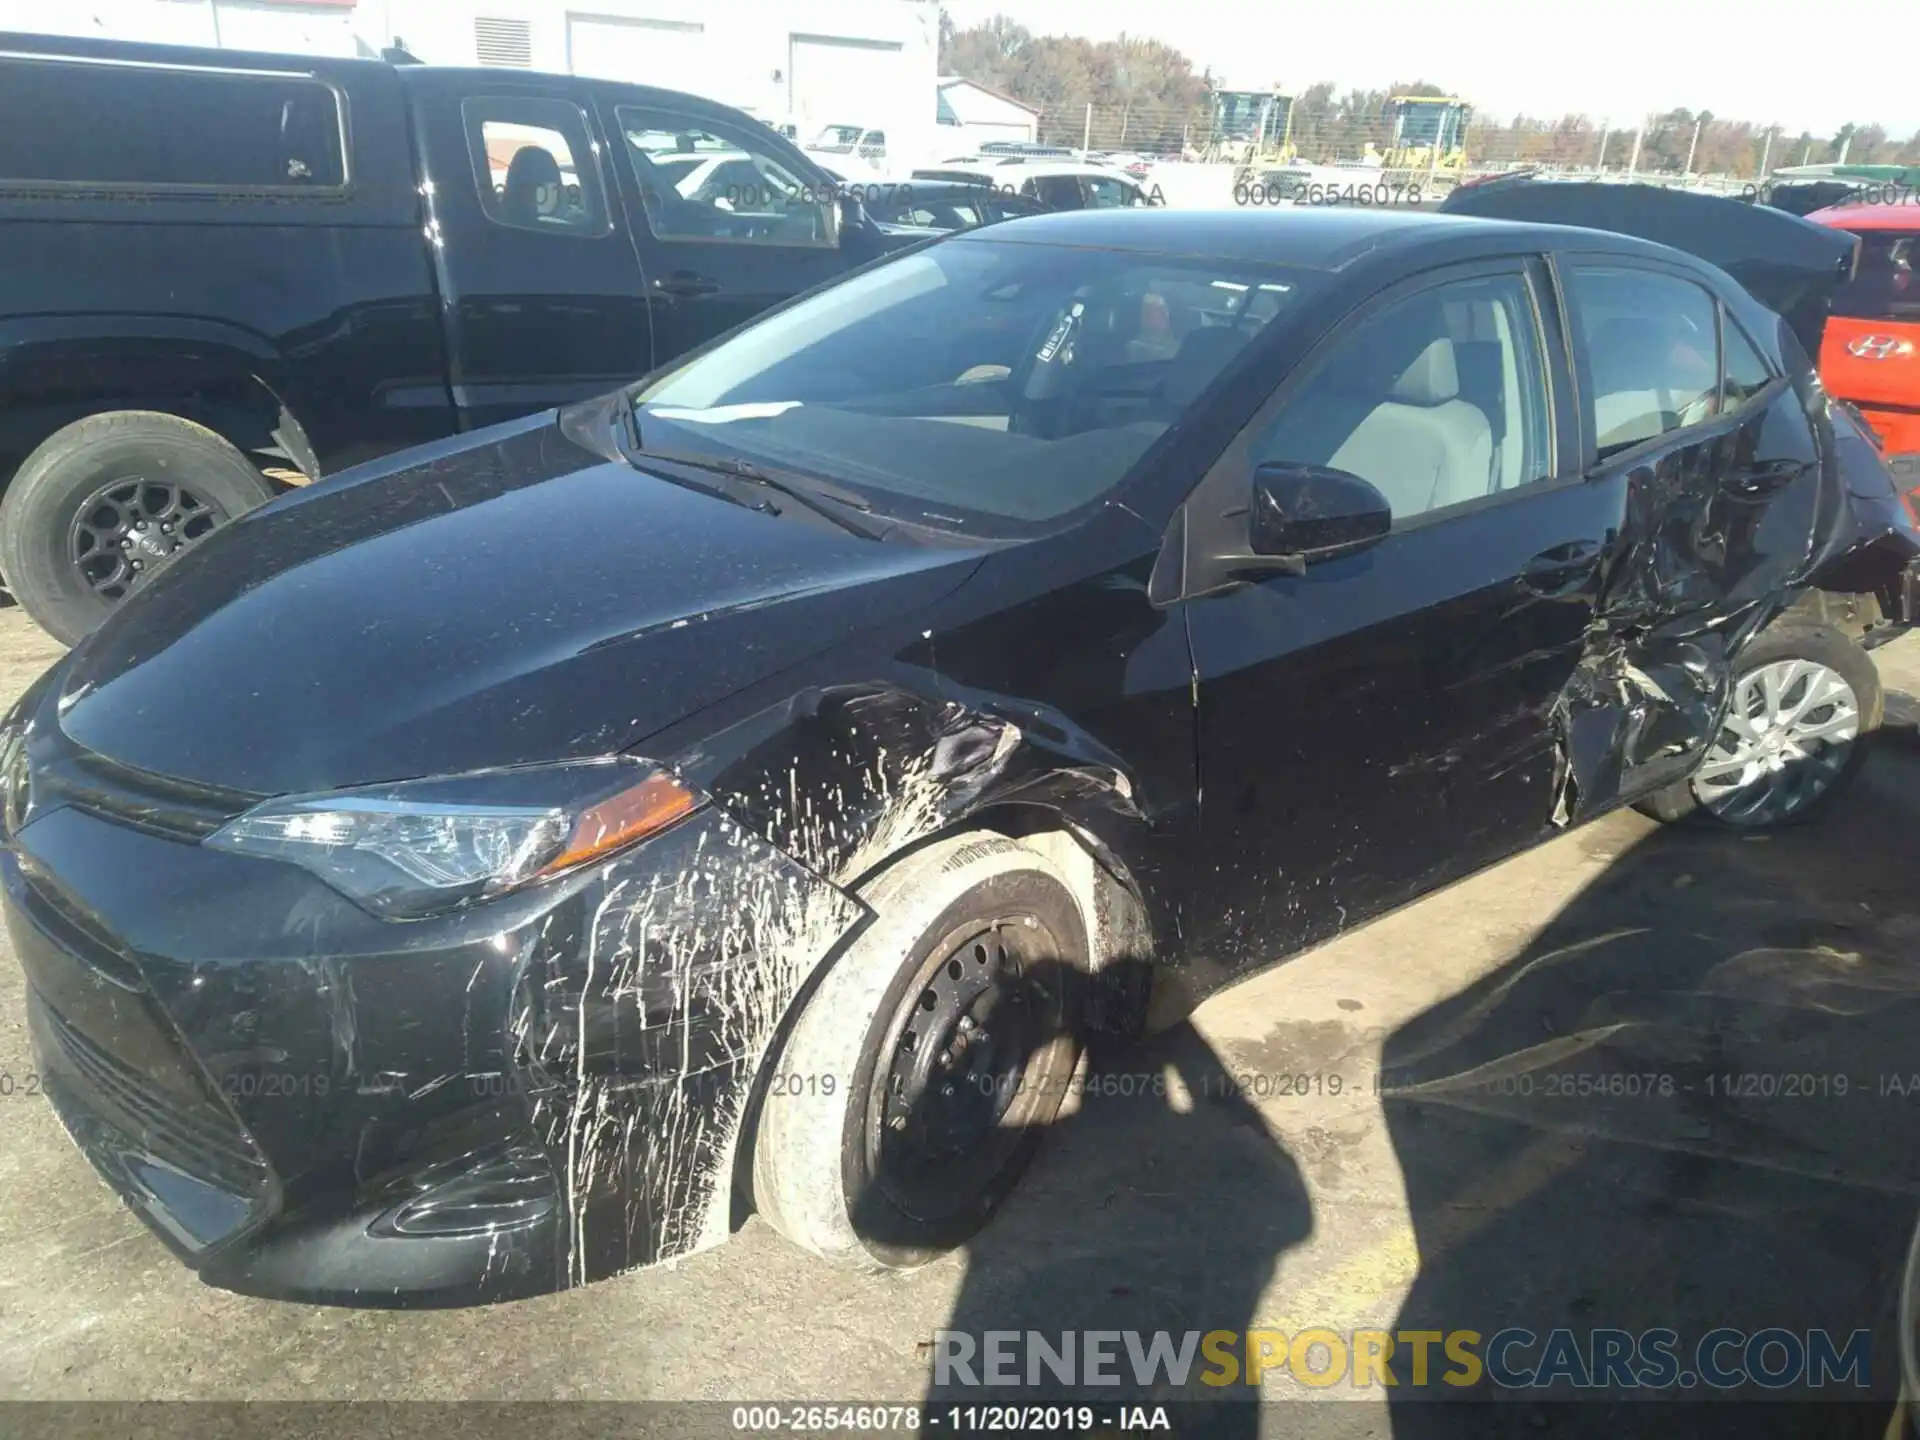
<point>1303,513</point>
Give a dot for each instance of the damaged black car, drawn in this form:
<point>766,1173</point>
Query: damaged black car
<point>518,860</point>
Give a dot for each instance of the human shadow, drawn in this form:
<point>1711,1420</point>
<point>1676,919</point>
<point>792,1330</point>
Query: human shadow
<point>1159,1202</point>
<point>1688,1103</point>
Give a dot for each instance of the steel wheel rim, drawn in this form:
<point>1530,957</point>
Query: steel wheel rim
<point>978,1013</point>
<point>132,526</point>
<point>1786,737</point>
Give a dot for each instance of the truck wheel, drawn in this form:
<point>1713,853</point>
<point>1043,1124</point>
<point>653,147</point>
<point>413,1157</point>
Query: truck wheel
<point>919,1079</point>
<point>106,502</point>
<point>1806,702</point>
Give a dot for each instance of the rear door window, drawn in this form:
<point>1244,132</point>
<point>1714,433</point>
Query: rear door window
<point>1056,192</point>
<point>534,165</point>
<point>1747,374</point>
<point>710,182</point>
<point>148,127</point>
<point>942,215</point>
<point>1883,286</point>
<point>1650,353</point>
<point>1106,194</point>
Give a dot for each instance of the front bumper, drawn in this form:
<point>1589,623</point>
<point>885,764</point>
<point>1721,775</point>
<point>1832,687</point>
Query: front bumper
<point>307,1103</point>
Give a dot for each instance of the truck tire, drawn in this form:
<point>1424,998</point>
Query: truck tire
<point>1793,771</point>
<point>920,1077</point>
<point>106,502</point>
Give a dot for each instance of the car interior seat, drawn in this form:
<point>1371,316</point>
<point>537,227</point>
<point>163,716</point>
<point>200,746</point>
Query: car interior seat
<point>1423,447</point>
<point>531,168</point>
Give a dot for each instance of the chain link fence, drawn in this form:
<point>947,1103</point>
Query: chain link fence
<point>1668,149</point>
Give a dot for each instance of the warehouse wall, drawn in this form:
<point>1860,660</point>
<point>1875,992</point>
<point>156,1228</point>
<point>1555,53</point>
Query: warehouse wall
<point>818,62</point>
<point>317,28</point>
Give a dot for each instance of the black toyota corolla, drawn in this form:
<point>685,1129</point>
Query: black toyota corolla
<point>511,862</point>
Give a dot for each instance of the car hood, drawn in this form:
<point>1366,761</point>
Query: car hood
<point>508,597</point>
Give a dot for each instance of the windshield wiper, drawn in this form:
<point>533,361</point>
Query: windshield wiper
<point>824,499</point>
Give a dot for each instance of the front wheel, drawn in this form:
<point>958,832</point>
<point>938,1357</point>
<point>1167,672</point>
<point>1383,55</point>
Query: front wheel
<point>1806,702</point>
<point>919,1079</point>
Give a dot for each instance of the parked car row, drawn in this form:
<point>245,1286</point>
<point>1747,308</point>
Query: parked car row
<point>291,265</point>
<point>1051,184</point>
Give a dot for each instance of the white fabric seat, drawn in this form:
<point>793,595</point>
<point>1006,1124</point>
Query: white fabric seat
<point>1424,447</point>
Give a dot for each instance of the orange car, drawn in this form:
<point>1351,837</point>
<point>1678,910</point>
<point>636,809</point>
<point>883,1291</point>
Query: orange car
<point>1870,354</point>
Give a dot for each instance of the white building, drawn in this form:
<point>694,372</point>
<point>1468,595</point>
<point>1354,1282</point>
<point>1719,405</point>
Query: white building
<point>311,27</point>
<point>814,63</point>
<point>969,114</point>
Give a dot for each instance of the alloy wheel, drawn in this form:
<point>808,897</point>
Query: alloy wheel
<point>1783,744</point>
<point>131,527</point>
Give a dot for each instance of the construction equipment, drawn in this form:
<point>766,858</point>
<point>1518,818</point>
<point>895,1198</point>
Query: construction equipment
<point>1427,132</point>
<point>1250,126</point>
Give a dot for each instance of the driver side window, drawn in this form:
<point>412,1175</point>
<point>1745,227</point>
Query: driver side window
<point>702,182</point>
<point>1437,399</point>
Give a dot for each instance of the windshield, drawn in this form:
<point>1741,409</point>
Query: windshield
<point>837,137</point>
<point>981,384</point>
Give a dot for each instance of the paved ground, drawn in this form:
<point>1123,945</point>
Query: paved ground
<point>1472,1197</point>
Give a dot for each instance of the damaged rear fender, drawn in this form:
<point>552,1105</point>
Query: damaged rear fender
<point>1702,568</point>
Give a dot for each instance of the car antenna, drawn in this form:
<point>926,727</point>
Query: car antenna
<point>398,54</point>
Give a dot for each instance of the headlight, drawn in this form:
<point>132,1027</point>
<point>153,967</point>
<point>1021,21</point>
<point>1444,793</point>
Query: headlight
<point>421,847</point>
<point>15,786</point>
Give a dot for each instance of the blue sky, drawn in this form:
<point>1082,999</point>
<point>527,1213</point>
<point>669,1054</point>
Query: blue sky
<point>1770,63</point>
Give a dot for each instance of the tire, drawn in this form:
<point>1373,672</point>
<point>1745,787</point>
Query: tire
<point>840,1161</point>
<point>42,511</point>
<point>1839,656</point>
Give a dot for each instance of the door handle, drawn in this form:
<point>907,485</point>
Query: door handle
<point>684,284</point>
<point>1763,478</point>
<point>1563,568</point>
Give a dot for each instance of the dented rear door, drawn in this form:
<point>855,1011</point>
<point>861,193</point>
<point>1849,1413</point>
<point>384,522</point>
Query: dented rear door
<point>1729,498</point>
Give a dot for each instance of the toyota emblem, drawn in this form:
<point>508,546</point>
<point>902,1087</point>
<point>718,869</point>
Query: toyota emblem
<point>1879,347</point>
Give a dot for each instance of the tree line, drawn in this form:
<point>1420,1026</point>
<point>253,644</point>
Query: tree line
<point>1134,94</point>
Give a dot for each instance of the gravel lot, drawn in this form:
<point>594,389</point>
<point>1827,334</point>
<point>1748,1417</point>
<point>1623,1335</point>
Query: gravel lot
<point>1619,949</point>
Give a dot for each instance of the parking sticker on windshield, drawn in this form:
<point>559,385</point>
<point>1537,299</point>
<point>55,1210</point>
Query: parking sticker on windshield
<point>1060,333</point>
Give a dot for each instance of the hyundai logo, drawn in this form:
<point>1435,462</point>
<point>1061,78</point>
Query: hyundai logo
<point>1879,347</point>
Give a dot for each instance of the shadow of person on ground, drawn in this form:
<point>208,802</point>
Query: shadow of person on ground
<point>1159,1201</point>
<point>1692,1102</point>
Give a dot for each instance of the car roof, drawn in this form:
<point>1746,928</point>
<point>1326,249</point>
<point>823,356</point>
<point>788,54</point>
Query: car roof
<point>1868,217</point>
<point>1305,238</point>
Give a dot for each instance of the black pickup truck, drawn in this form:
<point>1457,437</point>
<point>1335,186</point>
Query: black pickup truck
<point>223,273</point>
